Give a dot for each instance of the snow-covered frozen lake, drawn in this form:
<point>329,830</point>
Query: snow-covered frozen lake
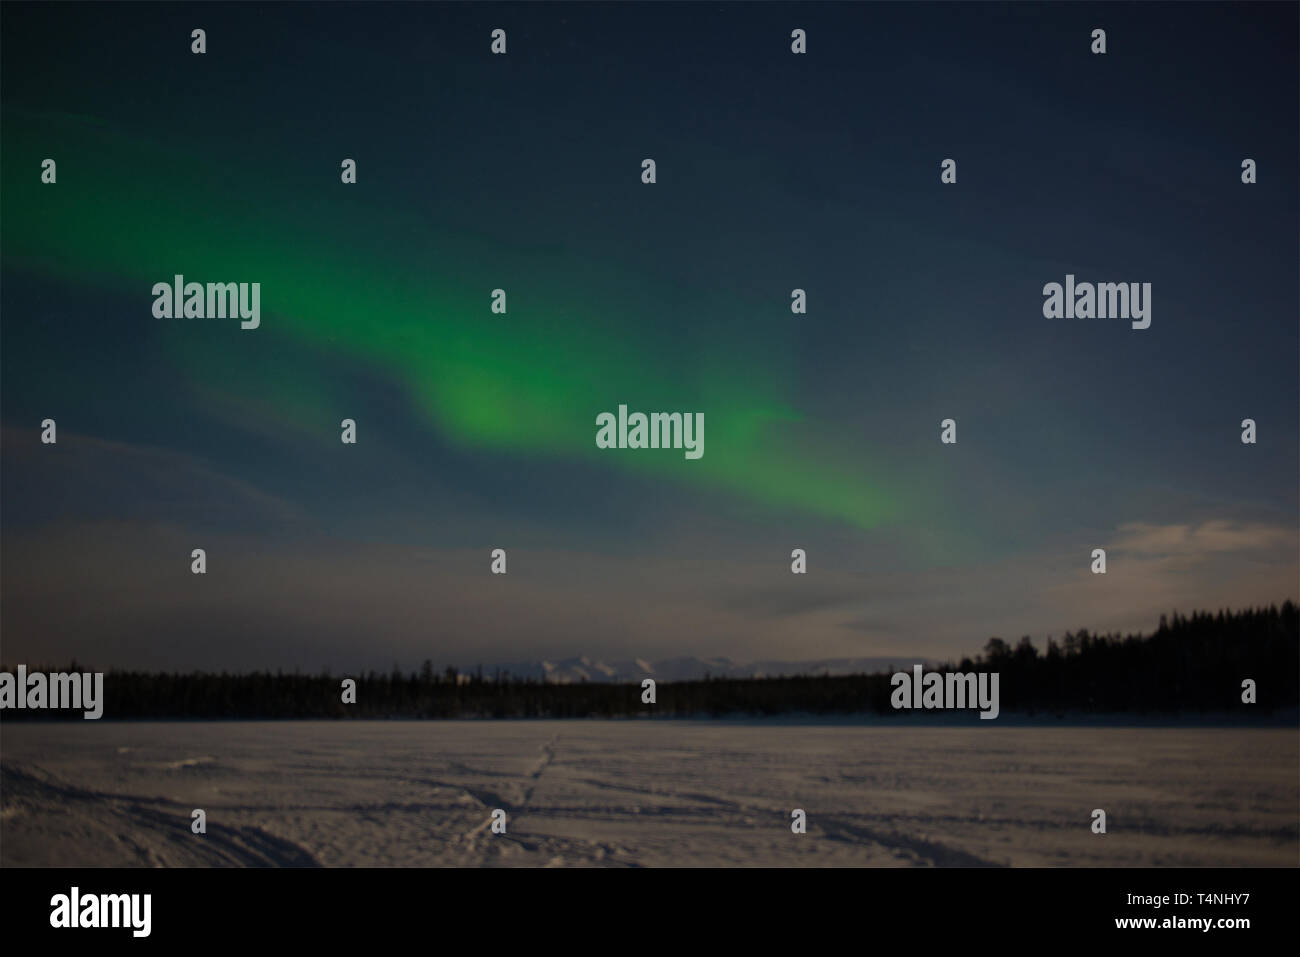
<point>340,793</point>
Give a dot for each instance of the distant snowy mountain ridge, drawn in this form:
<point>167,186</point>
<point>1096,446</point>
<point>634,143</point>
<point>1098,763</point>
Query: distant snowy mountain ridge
<point>685,668</point>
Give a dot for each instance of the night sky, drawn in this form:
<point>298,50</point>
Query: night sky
<point>477,431</point>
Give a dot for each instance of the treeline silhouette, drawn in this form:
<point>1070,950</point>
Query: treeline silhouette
<point>1188,665</point>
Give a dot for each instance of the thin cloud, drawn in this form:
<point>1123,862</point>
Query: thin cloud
<point>1209,537</point>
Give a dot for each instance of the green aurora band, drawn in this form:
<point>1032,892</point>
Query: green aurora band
<point>126,213</point>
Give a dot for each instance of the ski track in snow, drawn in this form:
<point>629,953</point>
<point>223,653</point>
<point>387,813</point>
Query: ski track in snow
<point>307,794</point>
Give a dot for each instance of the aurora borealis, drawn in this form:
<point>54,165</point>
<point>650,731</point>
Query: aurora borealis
<point>476,430</point>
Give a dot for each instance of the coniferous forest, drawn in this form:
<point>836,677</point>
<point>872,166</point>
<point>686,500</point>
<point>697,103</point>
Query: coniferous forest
<point>1188,665</point>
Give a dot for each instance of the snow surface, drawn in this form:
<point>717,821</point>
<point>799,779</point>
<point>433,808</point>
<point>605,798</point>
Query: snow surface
<point>615,793</point>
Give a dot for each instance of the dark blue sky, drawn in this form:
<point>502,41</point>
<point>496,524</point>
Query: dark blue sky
<point>775,171</point>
